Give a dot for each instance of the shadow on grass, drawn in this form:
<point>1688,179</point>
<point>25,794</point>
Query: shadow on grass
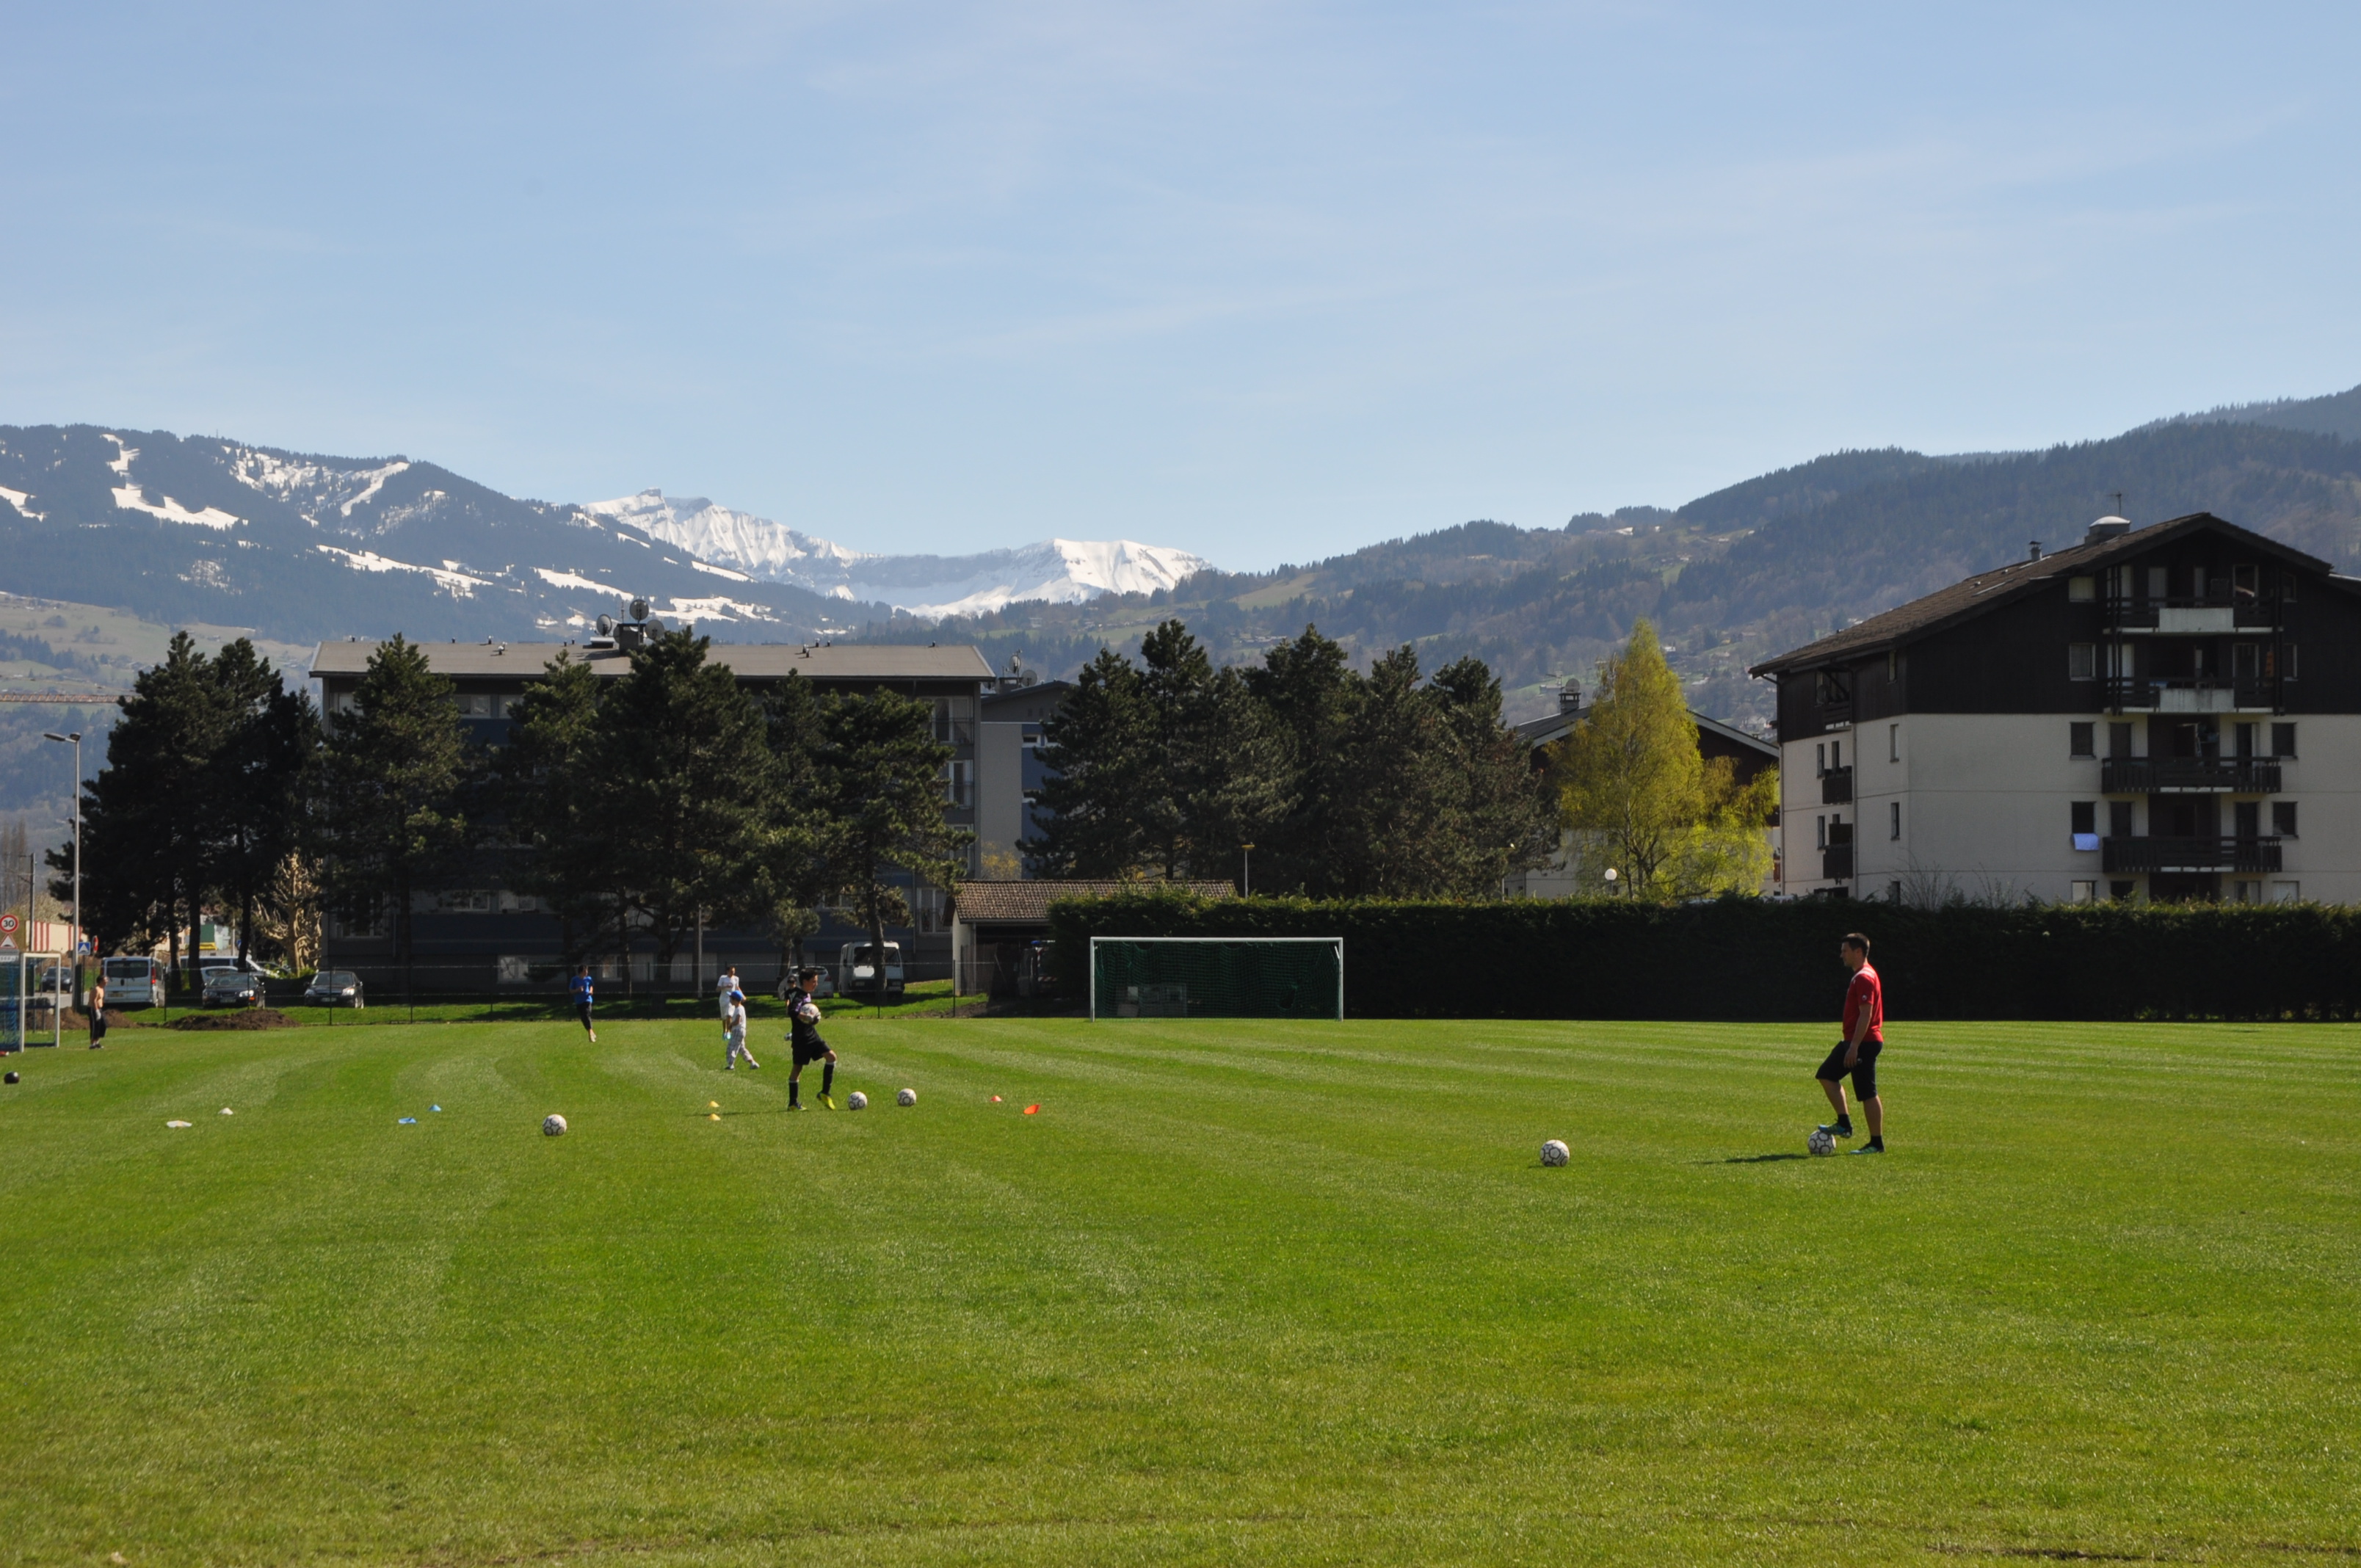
<point>1755,1158</point>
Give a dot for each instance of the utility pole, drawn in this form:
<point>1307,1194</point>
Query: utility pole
<point>75,740</point>
<point>1248,875</point>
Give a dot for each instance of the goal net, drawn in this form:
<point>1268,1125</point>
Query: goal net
<point>1217,977</point>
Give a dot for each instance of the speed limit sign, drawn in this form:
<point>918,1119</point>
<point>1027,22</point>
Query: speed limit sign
<point>8,923</point>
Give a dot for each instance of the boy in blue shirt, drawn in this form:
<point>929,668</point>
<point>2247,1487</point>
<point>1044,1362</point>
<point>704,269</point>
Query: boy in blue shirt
<point>582,999</point>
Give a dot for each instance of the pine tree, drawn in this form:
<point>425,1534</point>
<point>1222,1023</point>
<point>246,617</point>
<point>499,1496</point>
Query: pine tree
<point>255,784</point>
<point>394,769</point>
<point>683,796</point>
<point>1096,749</point>
<point>879,772</point>
<point>1630,773</point>
<point>547,799</point>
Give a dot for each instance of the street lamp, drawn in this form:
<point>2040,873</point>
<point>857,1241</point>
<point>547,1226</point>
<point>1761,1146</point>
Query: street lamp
<point>1610,879</point>
<point>74,740</point>
<point>1249,876</point>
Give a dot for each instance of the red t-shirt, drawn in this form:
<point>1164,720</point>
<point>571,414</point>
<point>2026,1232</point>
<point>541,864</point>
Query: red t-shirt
<point>1865,995</point>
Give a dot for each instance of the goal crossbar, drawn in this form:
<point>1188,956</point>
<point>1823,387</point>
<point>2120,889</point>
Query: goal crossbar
<point>1179,1005</point>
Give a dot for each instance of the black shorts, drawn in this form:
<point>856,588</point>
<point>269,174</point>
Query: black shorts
<point>814,1050</point>
<point>1864,1072</point>
<point>582,1011</point>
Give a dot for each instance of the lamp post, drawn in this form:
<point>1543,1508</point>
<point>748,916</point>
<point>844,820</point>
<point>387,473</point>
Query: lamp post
<point>1610,880</point>
<point>74,740</point>
<point>1247,876</point>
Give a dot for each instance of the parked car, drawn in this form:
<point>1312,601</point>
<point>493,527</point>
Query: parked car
<point>856,970</point>
<point>231,987</point>
<point>334,987</point>
<point>827,986</point>
<point>133,982</point>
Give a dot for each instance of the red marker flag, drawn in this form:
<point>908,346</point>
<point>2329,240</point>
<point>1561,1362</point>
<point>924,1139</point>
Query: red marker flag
<point>1030,1109</point>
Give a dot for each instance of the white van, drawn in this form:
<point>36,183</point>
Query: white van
<point>133,982</point>
<point>856,970</point>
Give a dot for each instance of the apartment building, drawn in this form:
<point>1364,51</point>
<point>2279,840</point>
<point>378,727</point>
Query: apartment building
<point>2168,713</point>
<point>478,934</point>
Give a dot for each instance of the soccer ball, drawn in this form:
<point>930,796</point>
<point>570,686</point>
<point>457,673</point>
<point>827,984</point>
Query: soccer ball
<point>857,1100</point>
<point>1555,1153</point>
<point>552,1125</point>
<point>1821,1141</point>
<point>907,1096</point>
<point>808,1012</point>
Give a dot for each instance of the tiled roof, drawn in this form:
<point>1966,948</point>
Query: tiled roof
<point>1028,901</point>
<point>2011,581</point>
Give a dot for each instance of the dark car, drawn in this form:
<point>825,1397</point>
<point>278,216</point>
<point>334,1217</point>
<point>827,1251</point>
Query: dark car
<point>334,987</point>
<point>231,987</point>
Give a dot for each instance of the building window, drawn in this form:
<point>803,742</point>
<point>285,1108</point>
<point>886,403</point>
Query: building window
<point>1820,759</point>
<point>2083,739</point>
<point>2119,819</point>
<point>2084,893</point>
<point>2286,592</point>
<point>2245,892</point>
<point>474,704</point>
<point>959,779</point>
<point>2246,580</point>
<point>1893,819</point>
<point>2082,660</point>
<point>2287,660</point>
<point>464,901</point>
<point>2287,893</point>
<point>2282,739</point>
<point>2084,814</point>
<point>2283,818</point>
<point>2247,817</point>
<point>2158,590</point>
<point>2119,740</point>
<point>2082,590</point>
<point>1823,832</point>
<point>1834,690</point>
<point>2122,892</point>
<point>1894,742</point>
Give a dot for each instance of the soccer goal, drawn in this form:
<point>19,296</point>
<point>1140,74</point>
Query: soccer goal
<point>1217,977</point>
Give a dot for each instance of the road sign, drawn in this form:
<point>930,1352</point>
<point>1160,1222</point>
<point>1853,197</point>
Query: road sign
<point>8,923</point>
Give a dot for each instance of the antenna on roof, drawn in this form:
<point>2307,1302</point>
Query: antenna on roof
<point>2119,503</point>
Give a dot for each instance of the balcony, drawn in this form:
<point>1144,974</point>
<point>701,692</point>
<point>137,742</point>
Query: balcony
<point>2189,775</point>
<point>1835,787</point>
<point>2214,614</point>
<point>2118,855</point>
<point>1836,863</point>
<point>2181,693</point>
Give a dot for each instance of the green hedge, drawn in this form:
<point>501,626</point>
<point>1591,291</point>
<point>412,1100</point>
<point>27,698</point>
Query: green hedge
<point>1743,958</point>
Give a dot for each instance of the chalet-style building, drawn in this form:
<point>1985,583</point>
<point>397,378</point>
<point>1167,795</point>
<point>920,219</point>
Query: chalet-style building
<point>481,935</point>
<point>2170,712</point>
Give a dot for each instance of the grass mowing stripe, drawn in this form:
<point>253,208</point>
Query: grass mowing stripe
<point>1290,1291</point>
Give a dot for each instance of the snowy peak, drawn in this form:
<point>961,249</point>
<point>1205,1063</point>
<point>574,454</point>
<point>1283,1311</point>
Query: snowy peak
<point>1062,571</point>
<point>736,540</point>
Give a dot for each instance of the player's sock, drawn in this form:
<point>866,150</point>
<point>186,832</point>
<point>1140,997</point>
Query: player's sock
<point>794,1087</point>
<point>828,1078</point>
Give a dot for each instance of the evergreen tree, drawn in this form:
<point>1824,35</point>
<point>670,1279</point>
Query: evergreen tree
<point>1096,749</point>
<point>798,859</point>
<point>1308,688</point>
<point>394,769</point>
<point>1630,773</point>
<point>1507,810</point>
<point>256,785</point>
<point>683,798</point>
<point>879,772</point>
<point>548,801</point>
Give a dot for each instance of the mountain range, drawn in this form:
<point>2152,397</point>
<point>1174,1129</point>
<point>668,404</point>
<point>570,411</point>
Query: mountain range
<point>299,547</point>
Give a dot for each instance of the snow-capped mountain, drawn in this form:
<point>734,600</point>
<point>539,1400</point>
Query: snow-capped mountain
<point>1062,571</point>
<point>197,528</point>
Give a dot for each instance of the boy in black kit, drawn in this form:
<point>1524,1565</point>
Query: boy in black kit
<point>804,1041</point>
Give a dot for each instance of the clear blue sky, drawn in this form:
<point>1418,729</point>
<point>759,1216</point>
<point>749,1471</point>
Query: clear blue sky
<point>1267,282</point>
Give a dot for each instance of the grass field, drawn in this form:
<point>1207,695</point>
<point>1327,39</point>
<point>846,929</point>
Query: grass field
<point>1283,1293</point>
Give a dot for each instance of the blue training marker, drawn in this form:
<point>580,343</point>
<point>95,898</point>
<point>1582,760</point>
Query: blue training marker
<point>407,1122</point>
<point>434,1107</point>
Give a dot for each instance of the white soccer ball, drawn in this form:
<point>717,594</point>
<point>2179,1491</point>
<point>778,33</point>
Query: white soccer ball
<point>857,1100</point>
<point>1555,1153</point>
<point>907,1096</point>
<point>552,1125</point>
<point>808,1011</point>
<point>1821,1141</point>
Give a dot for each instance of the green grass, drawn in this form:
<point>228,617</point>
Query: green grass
<point>1283,1293</point>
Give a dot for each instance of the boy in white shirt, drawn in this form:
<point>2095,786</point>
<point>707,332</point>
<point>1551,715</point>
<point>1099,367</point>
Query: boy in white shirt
<point>733,1026</point>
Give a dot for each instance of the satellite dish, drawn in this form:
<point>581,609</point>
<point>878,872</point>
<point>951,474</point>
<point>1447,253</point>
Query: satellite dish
<point>655,624</point>
<point>639,610</point>
<point>606,626</point>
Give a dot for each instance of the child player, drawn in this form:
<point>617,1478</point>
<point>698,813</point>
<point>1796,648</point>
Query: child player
<point>583,991</point>
<point>1857,1053</point>
<point>802,1038</point>
<point>733,1033</point>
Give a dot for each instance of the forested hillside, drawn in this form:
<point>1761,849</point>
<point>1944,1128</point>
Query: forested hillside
<point>1732,577</point>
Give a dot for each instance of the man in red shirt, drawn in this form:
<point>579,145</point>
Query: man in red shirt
<point>1864,1037</point>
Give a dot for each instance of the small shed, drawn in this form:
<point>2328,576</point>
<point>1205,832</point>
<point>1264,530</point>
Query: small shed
<point>1000,930</point>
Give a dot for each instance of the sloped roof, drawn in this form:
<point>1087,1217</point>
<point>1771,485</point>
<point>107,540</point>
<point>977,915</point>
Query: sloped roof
<point>2013,580</point>
<point>1028,901</point>
<point>1553,727</point>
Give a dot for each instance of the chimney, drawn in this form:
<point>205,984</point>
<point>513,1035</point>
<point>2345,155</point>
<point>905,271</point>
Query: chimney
<point>1569,699</point>
<point>2032,551</point>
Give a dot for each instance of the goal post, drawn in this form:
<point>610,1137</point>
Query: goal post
<point>1217,977</point>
